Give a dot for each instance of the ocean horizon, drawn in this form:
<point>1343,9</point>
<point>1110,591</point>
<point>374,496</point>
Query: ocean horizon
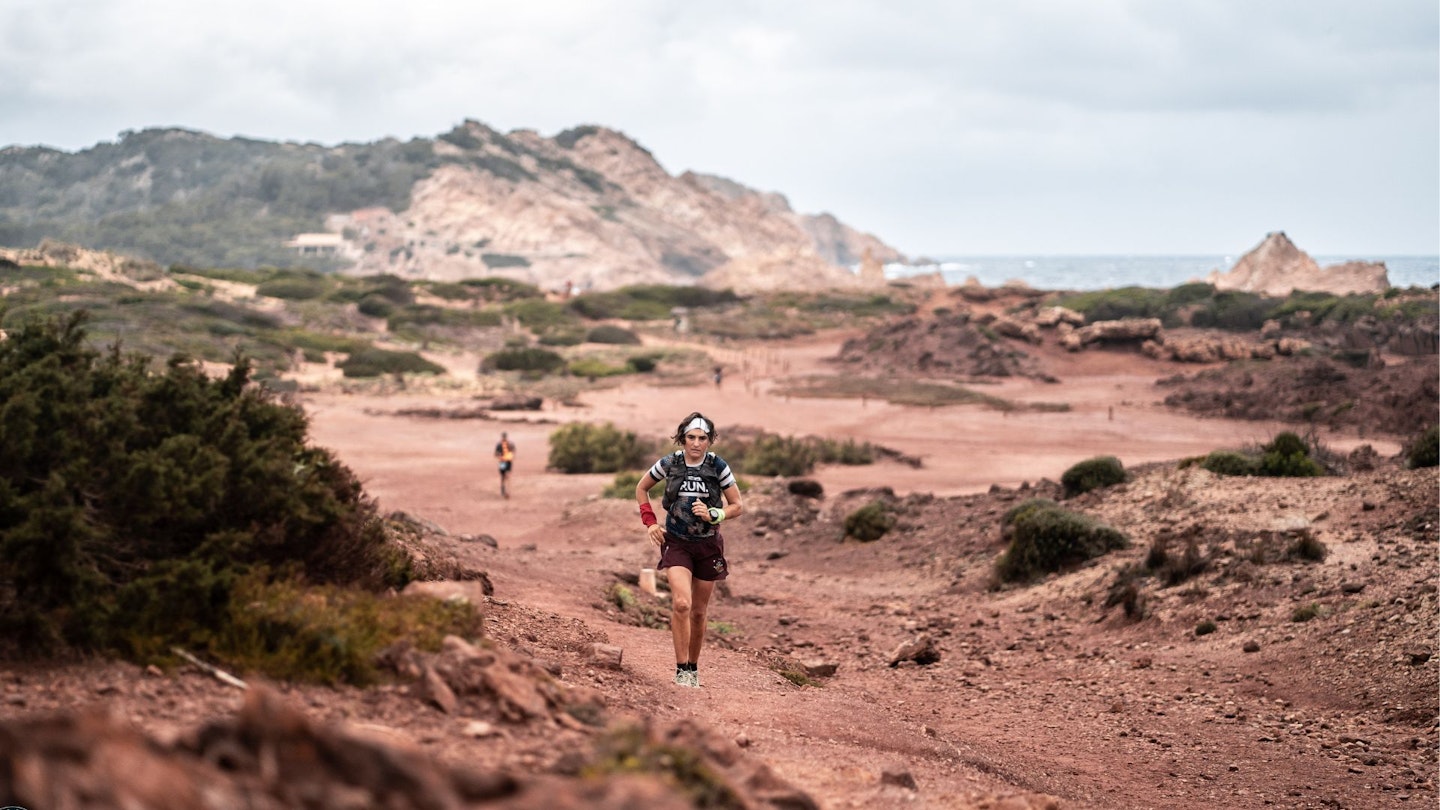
<point>1111,272</point>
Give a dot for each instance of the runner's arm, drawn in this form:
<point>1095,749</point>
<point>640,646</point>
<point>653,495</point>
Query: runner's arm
<point>655,530</point>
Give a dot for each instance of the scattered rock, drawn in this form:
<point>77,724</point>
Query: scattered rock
<point>920,649</point>
<point>899,778</point>
<point>1251,646</point>
<point>819,668</point>
<point>607,656</point>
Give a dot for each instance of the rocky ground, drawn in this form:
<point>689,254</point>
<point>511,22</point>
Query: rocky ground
<point>840,674</point>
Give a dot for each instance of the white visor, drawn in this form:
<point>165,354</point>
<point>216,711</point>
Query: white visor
<point>698,424</point>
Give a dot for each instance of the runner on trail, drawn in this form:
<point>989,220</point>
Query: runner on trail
<point>700,494</point>
<point>505,454</point>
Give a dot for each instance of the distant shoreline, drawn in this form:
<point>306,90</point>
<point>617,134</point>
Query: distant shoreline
<point>1097,272</point>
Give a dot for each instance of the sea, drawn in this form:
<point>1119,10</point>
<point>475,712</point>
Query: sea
<point>1111,272</point>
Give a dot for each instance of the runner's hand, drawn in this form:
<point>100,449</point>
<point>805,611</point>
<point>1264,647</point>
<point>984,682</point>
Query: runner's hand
<point>657,534</point>
<point>700,510</point>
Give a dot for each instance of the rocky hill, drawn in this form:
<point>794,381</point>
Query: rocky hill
<point>589,208</point>
<point>1276,267</point>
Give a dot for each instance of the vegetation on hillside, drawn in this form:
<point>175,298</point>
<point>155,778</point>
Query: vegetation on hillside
<point>141,510</point>
<point>1200,305</point>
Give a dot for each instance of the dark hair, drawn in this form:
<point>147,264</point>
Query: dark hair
<point>679,437</point>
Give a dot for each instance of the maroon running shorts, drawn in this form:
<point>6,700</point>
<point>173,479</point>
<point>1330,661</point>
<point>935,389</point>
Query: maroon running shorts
<point>704,558</point>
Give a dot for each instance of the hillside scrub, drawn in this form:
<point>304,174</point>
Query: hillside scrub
<point>132,504</point>
<point>1044,537</point>
<point>370,361</point>
<point>1286,455</point>
<point>1424,450</point>
<point>583,448</point>
<point>1092,473</point>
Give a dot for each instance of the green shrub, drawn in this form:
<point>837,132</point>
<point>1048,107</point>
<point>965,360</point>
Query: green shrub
<point>563,335</point>
<point>331,635</point>
<point>132,503</point>
<point>1205,628</point>
<point>538,314</point>
<point>623,487</point>
<point>376,306</point>
<point>523,358</point>
<point>413,315</point>
<point>1287,455</point>
<point>1307,547</point>
<point>1228,462</point>
<point>1007,520</point>
<point>829,451</point>
<point>293,288</point>
<point>494,288</point>
<point>1305,613</point>
<point>1094,473</point>
<point>613,335</point>
<point>1114,304</point>
<point>646,302</point>
<point>594,367</point>
<point>779,455</point>
<point>583,448</point>
<point>1234,310</point>
<point>1049,538</point>
<point>375,362</point>
<point>1424,451</point>
<point>642,363</point>
<point>870,522</point>
<point>1172,569</point>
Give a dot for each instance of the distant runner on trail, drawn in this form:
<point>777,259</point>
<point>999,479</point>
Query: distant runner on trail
<point>700,494</point>
<point>505,454</point>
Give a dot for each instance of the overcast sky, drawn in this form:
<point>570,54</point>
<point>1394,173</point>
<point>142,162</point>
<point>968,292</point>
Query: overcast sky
<point>961,127</point>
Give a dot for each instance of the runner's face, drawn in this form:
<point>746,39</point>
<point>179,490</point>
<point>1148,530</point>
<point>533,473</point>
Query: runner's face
<point>696,443</point>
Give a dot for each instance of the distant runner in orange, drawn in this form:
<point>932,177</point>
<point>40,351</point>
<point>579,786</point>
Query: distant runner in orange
<point>505,454</point>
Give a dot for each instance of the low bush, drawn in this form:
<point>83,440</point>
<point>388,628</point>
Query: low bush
<point>294,288</point>
<point>1205,628</point>
<point>829,451</point>
<point>523,358</point>
<point>1228,462</point>
<point>1174,569</point>
<point>779,455</point>
<point>376,306</point>
<point>1094,473</point>
<point>642,363</point>
<point>584,448</point>
<point>870,522</point>
<point>1307,547</point>
<point>1046,538</point>
<point>594,368</point>
<point>1287,455</point>
<point>374,362</point>
<point>331,635</point>
<point>612,335</point>
<point>1424,451</point>
<point>623,486</point>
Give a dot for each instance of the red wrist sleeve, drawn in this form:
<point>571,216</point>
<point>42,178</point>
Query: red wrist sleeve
<point>647,515</point>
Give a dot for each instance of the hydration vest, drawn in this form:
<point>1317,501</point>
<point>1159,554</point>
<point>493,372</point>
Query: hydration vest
<point>677,471</point>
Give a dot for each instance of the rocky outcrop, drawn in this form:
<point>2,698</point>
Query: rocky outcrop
<point>1125,330</point>
<point>1276,267</point>
<point>1213,349</point>
<point>594,209</point>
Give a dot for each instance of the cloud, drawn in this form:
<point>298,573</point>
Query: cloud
<point>1031,125</point>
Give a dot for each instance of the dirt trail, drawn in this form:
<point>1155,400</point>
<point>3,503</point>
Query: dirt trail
<point>1020,726</point>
